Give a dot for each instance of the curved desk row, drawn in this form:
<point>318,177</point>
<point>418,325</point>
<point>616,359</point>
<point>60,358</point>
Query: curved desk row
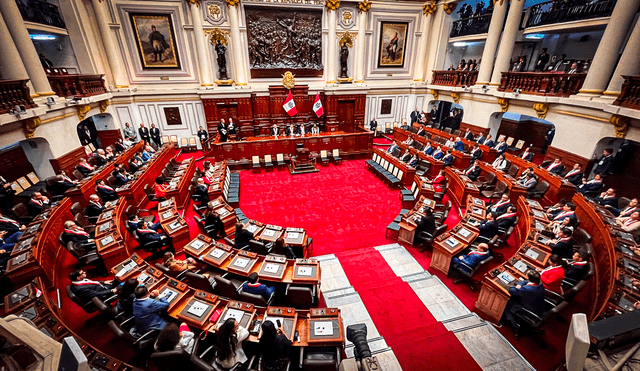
<point>558,186</point>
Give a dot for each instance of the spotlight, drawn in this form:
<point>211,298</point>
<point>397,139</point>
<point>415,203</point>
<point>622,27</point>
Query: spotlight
<point>485,88</point>
<point>18,111</point>
<point>466,88</point>
<point>516,92</point>
<point>50,101</point>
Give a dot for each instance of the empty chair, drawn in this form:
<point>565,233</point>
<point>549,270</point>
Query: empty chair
<point>259,247</point>
<point>280,159</point>
<point>501,187</point>
<point>255,298</point>
<point>22,214</point>
<point>538,192</point>
<point>225,288</point>
<point>300,296</point>
<point>513,170</point>
<point>193,144</point>
<point>184,143</point>
<point>197,281</point>
<point>320,358</point>
<point>581,237</point>
<point>268,163</point>
<point>145,340</point>
<point>173,138</point>
<point>255,163</point>
<point>323,156</point>
<point>78,175</point>
<point>336,156</point>
<point>88,307</point>
<point>488,183</point>
<point>428,238</point>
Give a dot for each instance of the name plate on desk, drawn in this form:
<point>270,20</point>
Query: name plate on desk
<point>242,264</point>
<point>451,243</point>
<point>106,242</point>
<point>218,255</point>
<point>272,269</point>
<point>197,245</point>
<point>106,215</point>
<point>506,278</point>
<point>165,204</point>
<point>521,266</point>
<point>175,225</point>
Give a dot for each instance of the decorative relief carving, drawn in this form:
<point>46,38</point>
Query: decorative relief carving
<point>214,11</point>
<point>541,109</point>
<point>620,125</point>
<point>332,5</point>
<point>429,8</point>
<point>504,104</point>
<point>216,35</point>
<point>346,19</point>
<point>364,6</point>
<point>103,104</point>
<point>231,3</point>
<point>346,38</point>
<point>435,94</point>
<point>455,96</point>
<point>288,80</point>
<point>448,7</point>
<point>30,125</point>
<point>194,2</point>
<point>83,110</point>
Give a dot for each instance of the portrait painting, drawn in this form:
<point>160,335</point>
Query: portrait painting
<point>393,42</point>
<point>156,40</point>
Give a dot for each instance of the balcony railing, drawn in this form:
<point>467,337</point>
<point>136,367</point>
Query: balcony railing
<point>14,93</point>
<point>630,93</point>
<point>471,26</point>
<point>543,83</point>
<point>559,11</point>
<point>77,85</point>
<point>38,11</point>
<point>454,78</point>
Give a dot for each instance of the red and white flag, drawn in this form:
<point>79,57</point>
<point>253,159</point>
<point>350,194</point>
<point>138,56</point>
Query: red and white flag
<point>289,105</point>
<point>317,106</point>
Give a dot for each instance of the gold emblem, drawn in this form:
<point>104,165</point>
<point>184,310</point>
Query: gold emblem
<point>30,125</point>
<point>346,17</point>
<point>364,6</point>
<point>214,11</point>
<point>288,80</point>
<point>103,104</point>
<point>620,125</point>
<point>435,94</point>
<point>345,38</point>
<point>231,3</point>
<point>217,34</point>
<point>504,104</point>
<point>82,111</point>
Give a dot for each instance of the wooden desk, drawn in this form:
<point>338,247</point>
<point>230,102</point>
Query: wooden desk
<point>174,225</point>
<point>112,236</point>
<point>515,189</point>
<point>408,172</point>
<point>558,186</point>
<point>460,187</point>
<point>408,223</point>
<point>179,184</point>
<point>446,247</point>
<point>425,189</point>
<point>435,165</point>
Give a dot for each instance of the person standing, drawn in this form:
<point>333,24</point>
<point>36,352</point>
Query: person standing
<point>155,135</point>
<point>130,133</point>
<point>415,115</point>
<point>543,59</point>
<point>222,131</point>
<point>204,138</point>
<point>144,133</point>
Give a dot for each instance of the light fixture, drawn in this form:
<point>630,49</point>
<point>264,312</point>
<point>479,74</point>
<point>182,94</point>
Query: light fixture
<point>485,88</point>
<point>534,36</point>
<point>516,92</point>
<point>42,37</point>
<point>466,88</point>
<point>459,44</point>
<point>18,111</point>
<point>50,101</point>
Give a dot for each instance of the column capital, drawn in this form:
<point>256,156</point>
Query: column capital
<point>331,5</point>
<point>364,6</point>
<point>193,2</point>
<point>231,3</point>
<point>30,125</point>
<point>435,94</point>
<point>504,104</point>
<point>449,7</point>
<point>620,125</point>
<point>103,104</point>
<point>541,109</point>
<point>429,8</point>
<point>216,35</point>
<point>456,97</point>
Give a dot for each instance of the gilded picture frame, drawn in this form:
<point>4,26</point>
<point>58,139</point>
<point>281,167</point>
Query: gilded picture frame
<point>156,40</point>
<point>393,43</point>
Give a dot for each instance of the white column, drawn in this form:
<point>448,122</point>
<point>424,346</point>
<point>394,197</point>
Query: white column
<point>439,39</point>
<point>11,67</point>
<point>110,46</point>
<point>628,64</point>
<point>238,59</point>
<point>15,24</point>
<point>491,44</point>
<point>604,61</point>
<point>508,41</point>
<point>360,44</point>
<point>330,73</point>
<point>419,68</point>
<point>206,77</point>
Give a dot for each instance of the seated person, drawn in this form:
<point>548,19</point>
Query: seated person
<point>590,186</point>
<point>12,228</point>
<point>556,167</point>
<point>488,141</point>
<point>428,149</point>
<point>607,198</point>
<point>135,164</point>
<point>201,190</point>
<point>528,294</point>
<point>627,211</point>
<point>173,338</point>
<point>406,156</point>
<point>553,275</point>
<point>74,233</point>
<point>101,157</point>
<point>147,153</point>
<point>449,143</point>
<point>37,204</point>
<point>122,177</point>
<point>527,154</point>
<point>507,219</point>
<point>554,228</point>
<point>301,129</point>
<point>472,259</point>
<point>392,147</point>
<point>501,146</point>
<point>473,171</point>
<point>148,311</point>
<point>629,223</point>
<point>177,266</point>
<point>84,167</point>
<point>468,135</point>
<point>230,336</point>
<point>160,189</point>
<point>568,211</point>
<point>489,227</point>
<point>125,292</point>
<point>119,146</point>
<point>448,158</point>
<point>243,236</point>
<point>254,287</point>
<point>476,153</point>
<point>274,347</point>
<point>500,207</point>
<point>562,246</point>
<point>578,267</point>
<point>413,162</point>
<point>552,210</point>
<point>148,235</point>
<point>213,222</point>
<point>106,193</point>
<point>500,163</point>
<point>62,184</point>
<point>290,130</point>
<point>95,208</point>
<point>134,223</point>
<point>439,181</point>
<point>438,154</point>
<point>315,129</point>
<point>458,145</point>
<point>426,223</point>
<point>408,141</point>
<point>529,182</point>
<point>86,289</point>
<point>574,176</point>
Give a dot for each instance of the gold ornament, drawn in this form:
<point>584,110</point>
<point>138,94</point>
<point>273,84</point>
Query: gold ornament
<point>498,1</point>
<point>541,109</point>
<point>217,34</point>
<point>449,7</point>
<point>194,2</point>
<point>214,10</point>
<point>330,4</point>
<point>30,125</point>
<point>82,111</point>
<point>435,94</point>
<point>620,125</point>
<point>346,38</point>
<point>364,6</point>
<point>103,104</point>
<point>231,3</point>
<point>429,8</point>
<point>288,80</point>
<point>346,17</point>
<point>455,96</point>
<point>504,104</point>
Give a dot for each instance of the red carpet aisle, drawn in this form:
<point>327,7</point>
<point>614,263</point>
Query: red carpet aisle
<point>417,339</point>
<point>341,207</point>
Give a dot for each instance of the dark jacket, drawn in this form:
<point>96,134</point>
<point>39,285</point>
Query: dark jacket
<point>530,297</point>
<point>242,238</point>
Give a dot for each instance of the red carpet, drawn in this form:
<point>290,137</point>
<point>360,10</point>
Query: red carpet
<point>417,339</point>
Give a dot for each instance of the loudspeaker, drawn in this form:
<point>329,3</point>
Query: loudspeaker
<point>578,343</point>
<point>71,356</point>
<point>615,331</point>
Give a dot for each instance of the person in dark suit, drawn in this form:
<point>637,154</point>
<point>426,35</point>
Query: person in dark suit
<point>438,154</point>
<point>578,266</point>
<point>243,236</point>
<point>86,289</point>
<point>603,164</point>
<point>563,245</point>
<point>290,129</point>
<point>148,310</point>
<point>488,142</point>
<point>84,167</point>
<point>148,235</point>
<point>144,133</point>
<point>469,135</point>
<point>471,260</point>
<point>428,149</point>
<point>373,125</point>
<point>476,153</point>
<point>62,184</point>
<point>414,160</point>
<point>202,191</point>
<point>556,167</point>
<point>433,114</point>
<point>155,135</point>
<point>426,223</point>
<point>406,156</point>
<point>223,132</point>
<point>501,146</point>
<point>500,207</point>
<point>232,128</point>
<point>489,227</point>
<point>101,158</point>
<point>527,155</point>
<point>458,145</point>
<point>473,171</point>
<point>105,192</point>
<point>574,176</point>
<point>567,211</point>
<point>528,181</point>
<point>121,177</point>
<point>204,138</point>
<point>448,158</point>
<point>507,219</point>
<point>608,198</point>
<point>415,115</point>
<point>528,294</point>
<point>74,233</point>
<point>591,186</point>
<point>542,61</point>
<point>11,227</point>
<point>274,131</point>
<point>481,139</point>
<point>135,164</point>
<point>627,211</point>
<point>134,223</point>
<point>94,208</point>
<point>212,220</point>
<point>6,195</point>
<point>37,204</point>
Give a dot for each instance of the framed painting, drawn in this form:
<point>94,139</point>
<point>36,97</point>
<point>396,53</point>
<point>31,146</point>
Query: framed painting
<point>156,40</point>
<point>172,115</point>
<point>393,42</point>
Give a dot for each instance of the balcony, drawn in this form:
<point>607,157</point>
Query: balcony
<point>471,26</point>
<point>38,11</point>
<point>560,11</point>
<point>454,78</point>
<point>78,86</point>
<point>630,93</point>
<point>14,93</point>
<point>543,83</point>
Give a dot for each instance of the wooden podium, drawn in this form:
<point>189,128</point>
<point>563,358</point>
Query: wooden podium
<point>302,162</point>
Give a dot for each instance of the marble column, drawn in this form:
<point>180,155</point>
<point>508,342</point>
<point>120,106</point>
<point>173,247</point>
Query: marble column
<point>363,9</point>
<point>10,66</point>
<point>507,42</point>
<point>206,77</point>
<point>238,58</point>
<point>26,49</point>
<point>614,35</point>
<point>111,47</point>
<point>330,71</point>
<point>439,38</point>
<point>628,64</point>
<point>419,68</point>
<point>491,43</point>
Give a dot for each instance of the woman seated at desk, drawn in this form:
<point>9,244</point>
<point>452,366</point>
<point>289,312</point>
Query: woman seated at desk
<point>230,337</point>
<point>500,163</point>
<point>177,266</point>
<point>274,347</point>
<point>438,182</point>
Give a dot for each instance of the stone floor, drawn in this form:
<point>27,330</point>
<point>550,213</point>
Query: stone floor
<point>485,344</point>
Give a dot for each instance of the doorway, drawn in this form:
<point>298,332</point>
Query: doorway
<point>346,110</point>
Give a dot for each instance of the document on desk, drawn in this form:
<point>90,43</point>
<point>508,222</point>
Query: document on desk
<point>323,328</point>
<point>305,271</point>
<point>222,212</point>
<point>269,233</point>
<point>104,227</point>
<point>217,253</point>
<point>165,203</point>
<point>241,262</point>
<point>234,313</point>
<point>167,214</point>
<point>521,266</point>
<point>175,225</point>
<point>271,268</point>
<point>214,203</point>
<point>197,244</point>
<point>452,242</point>
<point>168,294</point>
<point>464,232</point>
<point>107,240</point>
<point>293,235</point>
<point>142,277</point>
<point>198,308</point>
<point>532,254</point>
<point>506,278</point>
<point>252,228</point>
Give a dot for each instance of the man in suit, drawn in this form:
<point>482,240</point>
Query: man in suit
<point>562,246</point>
<point>144,133</point>
<point>414,160</point>
<point>74,233</point>
<point>13,229</point>
<point>426,223</point>
<point>231,127</point>
<point>121,176</point>
<point>458,145</point>
<point>542,61</point>
<point>608,198</point>
<point>106,193</point>
<point>406,156</point>
<point>254,287</point>
<point>507,219</point>
<point>155,135</point>
<point>84,167</point>
<point>438,154</point>
<point>603,164</point>
<point>574,68</point>
<point>392,147</point>
<point>465,263</point>
<point>433,114</point>
<point>577,267</point>
<point>591,186</point>
<point>274,131</point>
<point>134,223</point>
<point>481,139</point>
<point>488,142</point>
<point>556,167</point>
<point>501,146</point>
<point>86,289</point>
<point>630,223</point>
<point>476,153</point>
<point>500,207</point>
<point>567,211</point>
<point>528,294</point>
<point>415,115</point>
<point>202,191</point>
<point>428,149</point>
<point>574,176</point>
<point>62,184</point>
<point>473,171</point>
<point>529,182</point>
<point>148,235</point>
<point>488,227</point>
<point>527,155</point>
<point>101,158</point>
<point>135,164</point>
<point>148,310</point>
<point>37,204</point>
<point>94,208</point>
<point>212,221</point>
<point>373,125</point>
<point>130,133</point>
<point>627,211</point>
<point>222,131</point>
<point>469,135</point>
<point>243,236</point>
<point>448,158</point>
<point>290,130</point>
<point>558,66</point>
<point>204,138</point>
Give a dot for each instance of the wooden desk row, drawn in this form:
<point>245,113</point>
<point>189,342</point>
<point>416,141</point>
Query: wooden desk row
<point>461,159</point>
<point>408,224</point>
<point>173,224</point>
<point>460,186</point>
<point>488,153</point>
<point>221,181</point>
<point>434,165</point>
<point>390,163</point>
<point>87,186</point>
<point>558,186</point>
<point>111,234</point>
<point>515,189</point>
<point>178,188</point>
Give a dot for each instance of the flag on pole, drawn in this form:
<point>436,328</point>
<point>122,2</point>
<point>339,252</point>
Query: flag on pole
<point>317,106</point>
<point>289,105</point>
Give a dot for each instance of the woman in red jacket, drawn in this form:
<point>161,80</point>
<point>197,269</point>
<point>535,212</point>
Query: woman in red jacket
<point>553,275</point>
<point>439,181</point>
<point>160,189</point>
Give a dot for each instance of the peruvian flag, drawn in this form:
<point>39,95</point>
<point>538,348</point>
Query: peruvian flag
<point>317,106</point>
<point>289,105</point>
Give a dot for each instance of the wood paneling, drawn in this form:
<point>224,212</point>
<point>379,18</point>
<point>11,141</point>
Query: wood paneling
<point>109,137</point>
<point>531,132</point>
<point>568,158</point>
<point>14,163</point>
<point>68,161</point>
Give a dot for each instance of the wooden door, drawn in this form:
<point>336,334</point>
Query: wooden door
<point>227,111</point>
<point>346,110</point>
<point>14,163</point>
